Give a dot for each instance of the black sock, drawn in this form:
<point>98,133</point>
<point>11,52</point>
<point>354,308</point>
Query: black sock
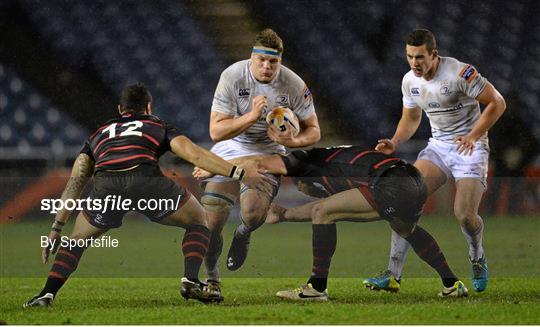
<point>428,250</point>
<point>65,263</point>
<point>324,241</point>
<point>194,247</point>
<point>449,282</point>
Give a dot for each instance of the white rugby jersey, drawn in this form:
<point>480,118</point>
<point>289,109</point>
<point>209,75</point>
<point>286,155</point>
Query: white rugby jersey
<point>449,99</point>
<point>235,92</point>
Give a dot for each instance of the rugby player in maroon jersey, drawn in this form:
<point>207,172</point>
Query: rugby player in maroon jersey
<point>355,184</point>
<point>122,156</point>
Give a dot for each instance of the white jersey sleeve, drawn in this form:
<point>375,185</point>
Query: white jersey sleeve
<point>408,101</point>
<point>301,100</point>
<point>224,98</point>
<point>471,82</point>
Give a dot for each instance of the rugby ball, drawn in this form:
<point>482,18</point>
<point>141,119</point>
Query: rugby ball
<point>280,116</point>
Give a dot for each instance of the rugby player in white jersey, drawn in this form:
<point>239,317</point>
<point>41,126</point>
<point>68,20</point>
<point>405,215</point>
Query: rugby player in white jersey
<point>246,92</point>
<point>449,92</point>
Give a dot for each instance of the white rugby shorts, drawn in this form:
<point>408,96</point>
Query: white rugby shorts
<point>445,156</point>
<point>231,149</point>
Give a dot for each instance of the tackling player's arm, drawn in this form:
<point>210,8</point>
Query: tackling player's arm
<point>224,127</point>
<point>82,171</point>
<point>187,150</point>
<point>495,107</point>
<point>272,164</point>
<point>267,164</point>
<point>407,126</point>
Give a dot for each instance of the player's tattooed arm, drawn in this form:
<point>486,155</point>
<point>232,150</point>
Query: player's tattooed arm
<point>82,171</point>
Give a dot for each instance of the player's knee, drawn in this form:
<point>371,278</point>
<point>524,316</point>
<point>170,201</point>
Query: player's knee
<point>217,209</point>
<point>251,214</point>
<point>217,203</point>
<point>465,215</point>
<point>319,214</point>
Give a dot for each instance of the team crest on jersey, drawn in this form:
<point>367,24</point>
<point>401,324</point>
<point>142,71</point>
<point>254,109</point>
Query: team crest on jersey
<point>415,91</point>
<point>282,100</point>
<point>445,88</point>
<point>468,73</point>
<point>243,93</point>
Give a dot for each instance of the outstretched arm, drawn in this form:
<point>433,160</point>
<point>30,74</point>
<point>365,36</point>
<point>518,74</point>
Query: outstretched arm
<point>187,150</point>
<point>267,164</point>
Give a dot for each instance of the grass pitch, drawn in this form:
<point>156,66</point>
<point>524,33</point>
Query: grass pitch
<point>138,282</point>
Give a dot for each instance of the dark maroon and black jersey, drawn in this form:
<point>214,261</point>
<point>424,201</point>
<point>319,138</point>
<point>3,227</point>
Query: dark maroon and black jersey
<point>338,169</point>
<point>129,140</point>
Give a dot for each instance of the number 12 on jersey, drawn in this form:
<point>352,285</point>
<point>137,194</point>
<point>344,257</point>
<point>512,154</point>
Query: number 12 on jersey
<point>132,127</point>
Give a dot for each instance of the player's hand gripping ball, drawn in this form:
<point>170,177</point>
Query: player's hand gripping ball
<point>284,118</point>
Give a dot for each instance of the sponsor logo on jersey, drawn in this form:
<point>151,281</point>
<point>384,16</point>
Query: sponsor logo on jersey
<point>243,93</point>
<point>415,91</point>
<point>434,105</point>
<point>282,100</point>
<point>307,93</point>
<point>458,106</point>
<point>468,73</point>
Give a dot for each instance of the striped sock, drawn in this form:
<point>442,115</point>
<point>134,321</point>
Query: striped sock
<point>194,247</point>
<point>324,245</point>
<point>428,250</point>
<point>64,265</point>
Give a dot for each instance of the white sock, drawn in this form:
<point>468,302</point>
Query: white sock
<point>213,274</point>
<point>211,261</point>
<point>474,238</point>
<point>398,252</point>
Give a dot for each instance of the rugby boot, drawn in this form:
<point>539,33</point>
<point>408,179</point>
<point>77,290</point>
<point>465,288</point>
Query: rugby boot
<point>40,301</point>
<point>214,288</point>
<point>238,251</point>
<point>196,290</point>
<point>303,293</point>
<point>457,290</point>
<point>385,281</point>
<point>480,274</point>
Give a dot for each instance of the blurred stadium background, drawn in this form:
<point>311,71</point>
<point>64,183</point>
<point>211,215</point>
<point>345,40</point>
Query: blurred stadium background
<point>64,63</point>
